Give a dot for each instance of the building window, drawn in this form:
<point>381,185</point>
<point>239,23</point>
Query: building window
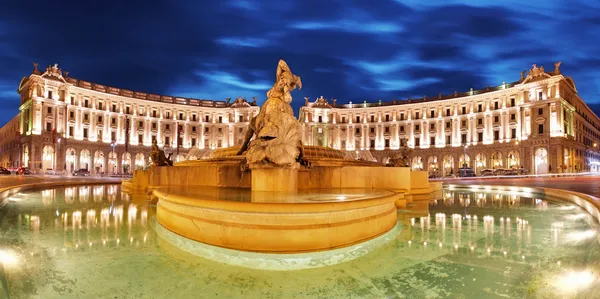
<point>113,136</point>
<point>496,118</point>
<point>463,138</point>
<point>447,111</point>
<point>320,119</point>
<point>480,121</point>
<point>431,126</point>
<point>206,118</point>
<point>179,141</point>
<point>220,119</point>
<point>140,139</point>
<point>193,129</point>
<point>372,118</point>
<point>85,133</point>
<point>496,105</point>
<point>167,127</point>
<point>513,133</point>
<point>401,128</point>
<point>113,121</point>
<point>48,127</point>
<point>540,95</point>
<point>464,123</point>
<point>417,142</point>
<point>343,145</point>
<point>141,124</point>
<point>513,116</point>
<point>71,131</point>
<point>387,117</point>
<point>49,109</point>
<point>114,108</point>
<point>372,143</point>
<point>447,125</point>
<point>241,118</point>
<point>480,108</point>
<point>343,119</point>
<point>206,142</point>
<point>193,141</point>
<point>153,113</point>
<point>99,119</point>
<point>496,135</point>
<point>206,130</point>
<point>49,94</point>
<point>85,117</point>
<point>464,110</point>
<point>432,114</point>
<point>71,114</point>
<point>448,140</point>
<point>541,129</point>
<point>179,128</point>
<point>154,126</point>
<point>387,143</point>
<point>540,111</point>
<point>86,103</point>
<point>100,105</point>
<point>372,130</point>
<point>99,134</point>
<point>401,116</point>
<point>432,140</point>
<point>193,117</point>
<point>512,102</point>
<point>220,130</point>
<point>168,114</point>
<point>180,116</point>
<point>387,129</point>
<point>357,131</point>
<point>358,119</point>
<point>417,128</point>
<point>127,110</point>
<point>480,136</point>
<point>417,115</point>
<point>167,141</point>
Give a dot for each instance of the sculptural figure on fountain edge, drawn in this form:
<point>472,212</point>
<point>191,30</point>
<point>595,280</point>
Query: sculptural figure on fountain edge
<point>277,131</point>
<point>158,156</point>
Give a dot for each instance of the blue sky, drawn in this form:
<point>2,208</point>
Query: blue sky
<point>349,50</point>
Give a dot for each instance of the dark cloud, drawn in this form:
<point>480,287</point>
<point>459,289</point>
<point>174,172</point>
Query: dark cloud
<point>349,50</point>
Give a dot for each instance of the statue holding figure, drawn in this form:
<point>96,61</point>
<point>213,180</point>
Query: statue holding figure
<point>158,156</point>
<point>402,158</point>
<point>277,131</point>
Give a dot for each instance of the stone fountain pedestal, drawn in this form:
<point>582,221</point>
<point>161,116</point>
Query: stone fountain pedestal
<point>266,177</point>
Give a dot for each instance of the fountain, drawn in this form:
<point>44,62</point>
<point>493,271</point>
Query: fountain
<point>272,194</point>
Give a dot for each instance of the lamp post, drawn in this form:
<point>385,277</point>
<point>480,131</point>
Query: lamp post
<point>114,155</point>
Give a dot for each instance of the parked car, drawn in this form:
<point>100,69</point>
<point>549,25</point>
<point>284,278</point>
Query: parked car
<point>50,171</point>
<point>81,172</point>
<point>24,171</point>
<point>4,171</point>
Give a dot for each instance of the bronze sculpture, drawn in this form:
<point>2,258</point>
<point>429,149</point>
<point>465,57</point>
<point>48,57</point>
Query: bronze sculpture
<point>158,156</point>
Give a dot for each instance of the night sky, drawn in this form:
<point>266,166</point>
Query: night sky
<point>349,50</point>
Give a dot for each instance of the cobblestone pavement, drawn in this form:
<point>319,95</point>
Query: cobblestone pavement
<point>584,184</point>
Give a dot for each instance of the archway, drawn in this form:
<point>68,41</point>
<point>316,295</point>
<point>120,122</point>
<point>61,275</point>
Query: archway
<point>448,165</point>
<point>541,161</point>
<point>126,162</point>
<point>71,158</point>
<point>112,162</point>
<point>464,159</point>
<point>98,162</point>
<point>480,163</point>
<point>417,163</point>
<point>47,158</point>
<point>26,156</point>
<point>513,160</point>
<point>84,159</point>
<point>433,166</point>
<point>496,160</point>
<point>140,161</point>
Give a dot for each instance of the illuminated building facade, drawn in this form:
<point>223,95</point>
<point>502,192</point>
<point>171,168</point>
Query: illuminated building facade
<point>68,124</point>
<point>9,144</point>
<point>538,123</point>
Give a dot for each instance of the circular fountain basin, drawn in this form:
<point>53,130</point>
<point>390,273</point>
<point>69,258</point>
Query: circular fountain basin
<point>311,220</point>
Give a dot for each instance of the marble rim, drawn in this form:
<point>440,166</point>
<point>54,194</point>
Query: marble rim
<point>275,261</point>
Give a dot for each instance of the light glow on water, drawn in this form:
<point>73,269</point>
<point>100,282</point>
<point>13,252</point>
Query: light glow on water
<point>477,243</point>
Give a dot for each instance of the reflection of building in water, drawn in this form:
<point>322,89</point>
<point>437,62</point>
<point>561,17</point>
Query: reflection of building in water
<point>89,216</point>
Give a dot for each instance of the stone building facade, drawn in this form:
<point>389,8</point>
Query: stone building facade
<point>67,124</point>
<point>9,144</point>
<point>538,123</point>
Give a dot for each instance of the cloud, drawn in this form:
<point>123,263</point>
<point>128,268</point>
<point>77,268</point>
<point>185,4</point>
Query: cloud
<point>251,42</point>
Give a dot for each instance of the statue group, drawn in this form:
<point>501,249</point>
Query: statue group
<point>277,132</point>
